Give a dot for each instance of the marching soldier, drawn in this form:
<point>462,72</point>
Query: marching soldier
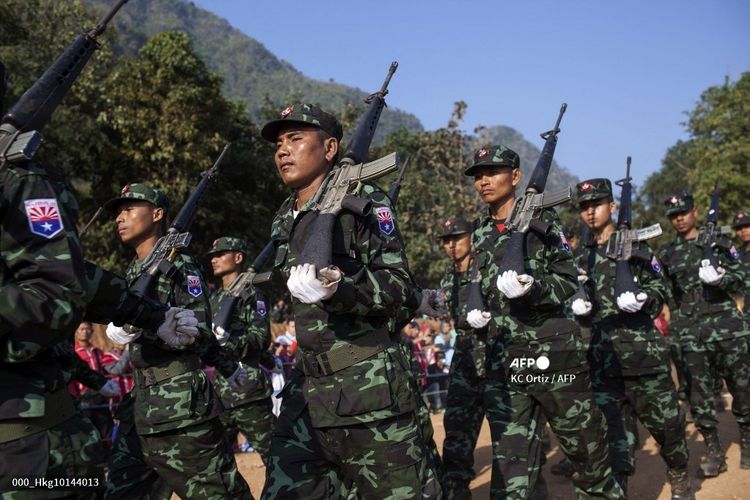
<point>631,372</point>
<point>246,337</point>
<point>741,226</point>
<point>713,335</point>
<point>526,319</point>
<point>348,411</point>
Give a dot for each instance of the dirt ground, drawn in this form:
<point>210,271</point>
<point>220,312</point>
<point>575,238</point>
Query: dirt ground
<point>648,483</point>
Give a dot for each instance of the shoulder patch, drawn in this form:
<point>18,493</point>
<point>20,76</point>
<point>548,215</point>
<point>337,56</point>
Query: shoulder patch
<point>194,286</point>
<point>655,266</point>
<point>260,307</point>
<point>564,241</point>
<point>734,253</point>
<point>44,217</point>
<point>385,220</point>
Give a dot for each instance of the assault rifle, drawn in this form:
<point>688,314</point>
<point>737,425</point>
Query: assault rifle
<point>396,188</point>
<point>20,129</point>
<point>710,235</point>
<point>178,235</point>
<point>527,209</point>
<point>239,287</point>
<point>623,244</point>
<point>341,187</point>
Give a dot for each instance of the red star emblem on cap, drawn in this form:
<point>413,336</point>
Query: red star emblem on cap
<point>216,243</point>
<point>482,153</point>
<point>586,186</point>
<point>287,111</point>
<point>673,200</point>
<point>447,223</point>
<point>125,189</point>
<point>741,215</point>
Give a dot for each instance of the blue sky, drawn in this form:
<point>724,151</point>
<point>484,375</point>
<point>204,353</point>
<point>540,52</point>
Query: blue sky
<point>628,70</point>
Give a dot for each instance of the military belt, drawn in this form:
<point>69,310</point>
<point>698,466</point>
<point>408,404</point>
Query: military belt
<point>329,362</point>
<point>58,407</point>
<point>145,377</point>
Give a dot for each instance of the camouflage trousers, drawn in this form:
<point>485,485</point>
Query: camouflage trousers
<point>386,459</point>
<point>706,364</point>
<point>653,400</point>
<point>193,462</point>
<point>515,413</point>
<point>70,450</point>
<point>464,413</point>
<point>253,420</point>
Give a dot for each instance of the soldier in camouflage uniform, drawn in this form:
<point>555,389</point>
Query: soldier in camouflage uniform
<point>348,409</point>
<point>464,409</point>
<point>526,319</point>
<point>631,372</point>
<point>741,226</point>
<point>170,437</point>
<point>246,339</point>
<point>713,334</point>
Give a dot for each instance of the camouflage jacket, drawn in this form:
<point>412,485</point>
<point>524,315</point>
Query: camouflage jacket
<point>42,281</point>
<point>745,258</point>
<point>624,344</point>
<point>188,398</point>
<point>455,286</point>
<point>696,302</point>
<point>249,336</point>
<point>376,283</point>
<point>535,323</point>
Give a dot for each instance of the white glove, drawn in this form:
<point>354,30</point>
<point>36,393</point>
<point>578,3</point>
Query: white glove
<point>119,335</point>
<point>710,275</point>
<point>304,284</point>
<point>514,285</point>
<point>239,379</point>
<point>221,335</point>
<point>629,302</point>
<point>582,276</point>
<point>477,318</point>
<point>110,389</point>
<point>168,330</point>
<point>432,303</point>
<point>581,307</point>
<point>187,323</point>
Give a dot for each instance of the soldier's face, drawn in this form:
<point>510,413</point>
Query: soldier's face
<point>457,247</point>
<point>496,184</point>
<point>597,214</point>
<point>223,263</point>
<point>303,154</point>
<point>743,233</point>
<point>137,220</point>
<point>683,221</point>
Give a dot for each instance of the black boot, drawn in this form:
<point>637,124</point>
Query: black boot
<point>679,482</point>
<point>745,447</point>
<point>713,462</point>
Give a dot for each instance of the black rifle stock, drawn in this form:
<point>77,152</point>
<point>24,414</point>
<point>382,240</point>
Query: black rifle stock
<point>238,287</point>
<point>342,185</point>
<point>396,188</point>
<point>527,210</point>
<point>20,130</point>
<point>159,260</point>
<point>709,236</point>
<point>623,243</point>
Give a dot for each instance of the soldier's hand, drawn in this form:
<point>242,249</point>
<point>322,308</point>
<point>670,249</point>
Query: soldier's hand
<point>514,285</point>
<point>110,389</point>
<point>431,304</point>
<point>303,283</point>
<point>709,274</point>
<point>581,307</point>
<point>238,380</point>
<point>630,302</point>
<point>120,335</point>
<point>187,323</point>
<point>168,330</point>
<point>477,318</point>
<point>221,335</point>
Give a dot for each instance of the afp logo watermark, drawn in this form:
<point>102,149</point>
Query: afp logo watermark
<point>541,363</point>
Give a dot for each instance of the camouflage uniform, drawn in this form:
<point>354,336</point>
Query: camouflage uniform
<point>464,410</point>
<point>41,303</point>
<point>248,411</point>
<point>629,358</point>
<point>742,219</point>
<point>527,327</point>
<point>713,334</point>
<point>169,430</point>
